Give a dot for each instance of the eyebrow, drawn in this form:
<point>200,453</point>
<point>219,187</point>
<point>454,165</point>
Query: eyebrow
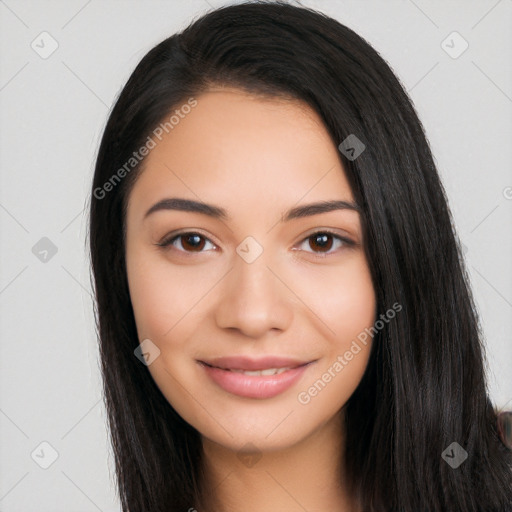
<point>216,212</point>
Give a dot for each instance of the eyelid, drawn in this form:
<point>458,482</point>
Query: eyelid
<point>345,240</point>
<point>169,238</point>
<point>345,237</point>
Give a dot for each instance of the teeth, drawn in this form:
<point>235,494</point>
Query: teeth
<point>269,371</point>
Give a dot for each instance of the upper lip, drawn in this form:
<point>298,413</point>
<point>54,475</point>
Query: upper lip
<point>247,363</point>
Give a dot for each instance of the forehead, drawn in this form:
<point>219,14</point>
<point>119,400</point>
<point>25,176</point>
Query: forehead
<point>239,149</point>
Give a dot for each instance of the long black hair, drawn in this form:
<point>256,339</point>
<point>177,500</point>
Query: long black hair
<point>424,387</point>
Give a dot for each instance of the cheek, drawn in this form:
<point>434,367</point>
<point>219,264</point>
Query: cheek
<point>164,298</point>
<point>347,307</point>
<point>356,308</point>
<point>344,299</point>
<point>166,305</point>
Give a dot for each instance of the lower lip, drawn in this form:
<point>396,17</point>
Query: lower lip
<point>254,386</point>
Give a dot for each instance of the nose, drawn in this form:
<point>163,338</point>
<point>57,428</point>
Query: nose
<point>254,299</point>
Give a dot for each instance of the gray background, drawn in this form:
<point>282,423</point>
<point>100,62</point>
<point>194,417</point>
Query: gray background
<point>53,113</point>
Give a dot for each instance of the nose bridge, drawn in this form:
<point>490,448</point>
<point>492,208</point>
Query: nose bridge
<point>254,300</point>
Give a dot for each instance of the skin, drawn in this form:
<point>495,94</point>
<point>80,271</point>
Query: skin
<point>255,157</point>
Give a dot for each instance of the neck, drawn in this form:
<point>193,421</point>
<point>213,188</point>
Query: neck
<point>305,476</point>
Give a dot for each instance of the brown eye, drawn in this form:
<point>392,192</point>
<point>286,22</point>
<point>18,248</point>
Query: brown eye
<point>192,241</point>
<point>322,242</point>
<point>189,242</point>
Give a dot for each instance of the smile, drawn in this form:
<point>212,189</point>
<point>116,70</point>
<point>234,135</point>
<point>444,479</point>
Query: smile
<point>254,378</point>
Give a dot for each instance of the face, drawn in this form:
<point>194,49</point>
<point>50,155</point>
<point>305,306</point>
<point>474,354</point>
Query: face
<point>246,285</point>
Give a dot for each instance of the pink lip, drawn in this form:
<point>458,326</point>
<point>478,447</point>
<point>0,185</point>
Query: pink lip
<point>254,386</point>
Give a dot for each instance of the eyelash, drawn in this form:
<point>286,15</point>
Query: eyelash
<point>166,242</point>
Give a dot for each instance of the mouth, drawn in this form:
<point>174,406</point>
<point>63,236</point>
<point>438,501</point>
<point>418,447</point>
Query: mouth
<point>248,364</point>
<point>251,378</point>
<point>268,371</point>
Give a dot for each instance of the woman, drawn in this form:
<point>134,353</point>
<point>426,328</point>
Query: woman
<point>284,317</point>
